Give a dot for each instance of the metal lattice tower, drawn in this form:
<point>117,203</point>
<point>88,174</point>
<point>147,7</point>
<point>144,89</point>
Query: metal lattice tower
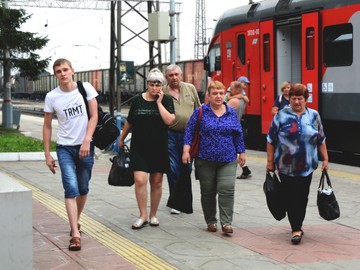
<point>200,30</point>
<point>116,27</point>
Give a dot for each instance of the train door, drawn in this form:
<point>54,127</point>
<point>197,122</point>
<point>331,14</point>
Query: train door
<point>246,63</point>
<point>310,59</point>
<point>240,67</point>
<point>297,54</point>
<point>240,51</point>
<point>267,73</point>
<point>244,42</point>
<point>288,52</point>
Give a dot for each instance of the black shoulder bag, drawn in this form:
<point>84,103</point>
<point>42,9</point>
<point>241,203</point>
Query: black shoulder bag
<point>326,201</point>
<point>106,131</point>
<point>274,196</point>
<point>120,173</point>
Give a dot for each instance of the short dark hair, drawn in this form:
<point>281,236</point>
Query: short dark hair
<point>61,61</point>
<point>298,89</point>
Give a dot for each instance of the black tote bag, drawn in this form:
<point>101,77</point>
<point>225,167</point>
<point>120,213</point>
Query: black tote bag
<point>274,196</point>
<point>120,173</point>
<point>326,201</point>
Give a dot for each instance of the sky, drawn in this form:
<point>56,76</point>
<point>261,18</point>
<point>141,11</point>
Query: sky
<point>83,36</point>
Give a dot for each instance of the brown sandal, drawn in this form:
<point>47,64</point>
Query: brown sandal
<point>75,244</point>
<point>78,229</point>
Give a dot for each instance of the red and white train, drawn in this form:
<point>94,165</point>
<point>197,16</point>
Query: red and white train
<point>315,42</point>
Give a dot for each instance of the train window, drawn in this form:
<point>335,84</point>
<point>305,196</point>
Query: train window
<point>217,63</point>
<point>241,48</point>
<point>266,46</point>
<point>310,47</point>
<point>338,45</point>
<point>214,58</point>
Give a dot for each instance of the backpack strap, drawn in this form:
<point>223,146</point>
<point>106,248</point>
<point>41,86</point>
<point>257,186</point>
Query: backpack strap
<point>83,93</point>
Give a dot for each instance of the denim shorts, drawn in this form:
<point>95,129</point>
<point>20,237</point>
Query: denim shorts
<point>75,172</point>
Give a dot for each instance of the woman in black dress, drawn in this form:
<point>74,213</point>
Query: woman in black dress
<point>149,117</point>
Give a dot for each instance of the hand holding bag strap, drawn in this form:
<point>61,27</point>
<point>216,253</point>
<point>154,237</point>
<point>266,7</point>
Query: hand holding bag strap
<point>324,175</point>
<point>327,178</point>
<point>321,183</point>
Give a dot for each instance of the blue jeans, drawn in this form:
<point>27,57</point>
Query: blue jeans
<point>175,146</point>
<point>75,172</point>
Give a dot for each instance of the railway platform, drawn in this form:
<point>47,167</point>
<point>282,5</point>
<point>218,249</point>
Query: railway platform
<point>182,241</point>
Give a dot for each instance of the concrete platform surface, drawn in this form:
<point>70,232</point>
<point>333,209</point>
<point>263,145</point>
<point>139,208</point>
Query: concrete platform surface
<point>182,241</point>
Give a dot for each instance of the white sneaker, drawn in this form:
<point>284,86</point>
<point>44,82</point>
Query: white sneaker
<point>175,212</point>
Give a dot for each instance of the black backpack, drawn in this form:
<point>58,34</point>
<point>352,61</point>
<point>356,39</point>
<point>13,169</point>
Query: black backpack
<point>106,131</point>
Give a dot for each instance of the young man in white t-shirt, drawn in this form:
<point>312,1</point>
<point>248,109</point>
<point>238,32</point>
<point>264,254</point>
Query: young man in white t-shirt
<point>74,149</point>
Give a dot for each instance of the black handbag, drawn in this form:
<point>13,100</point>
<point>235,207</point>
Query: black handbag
<point>274,196</point>
<point>326,201</point>
<point>120,173</point>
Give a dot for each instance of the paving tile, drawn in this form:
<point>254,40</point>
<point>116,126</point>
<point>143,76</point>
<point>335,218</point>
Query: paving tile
<point>50,246</point>
<point>320,243</point>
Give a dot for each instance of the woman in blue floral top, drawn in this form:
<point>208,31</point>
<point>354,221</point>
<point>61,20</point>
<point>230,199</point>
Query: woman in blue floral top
<point>295,136</point>
<point>221,146</point>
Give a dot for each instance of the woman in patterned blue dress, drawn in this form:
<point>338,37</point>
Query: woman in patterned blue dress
<point>295,136</point>
<point>221,147</point>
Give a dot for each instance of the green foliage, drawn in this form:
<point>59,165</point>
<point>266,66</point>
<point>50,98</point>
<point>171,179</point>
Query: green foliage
<point>21,45</point>
<point>12,140</point>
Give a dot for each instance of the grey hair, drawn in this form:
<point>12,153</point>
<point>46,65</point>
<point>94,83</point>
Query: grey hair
<point>172,67</point>
<point>155,75</point>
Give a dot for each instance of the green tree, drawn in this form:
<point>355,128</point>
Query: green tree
<point>18,48</point>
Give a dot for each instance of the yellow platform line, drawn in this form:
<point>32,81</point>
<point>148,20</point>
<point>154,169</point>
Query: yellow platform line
<point>133,253</point>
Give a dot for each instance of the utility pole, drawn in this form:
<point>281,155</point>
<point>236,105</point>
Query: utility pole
<point>118,73</point>
<point>7,107</point>
<point>200,28</point>
<point>173,40</point>
<point>112,57</point>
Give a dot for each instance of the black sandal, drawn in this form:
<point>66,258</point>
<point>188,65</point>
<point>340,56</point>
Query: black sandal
<point>296,239</point>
